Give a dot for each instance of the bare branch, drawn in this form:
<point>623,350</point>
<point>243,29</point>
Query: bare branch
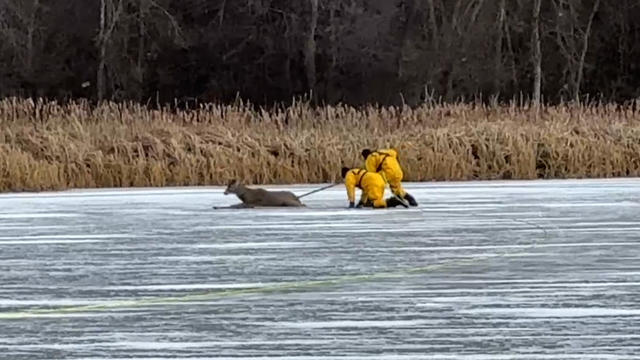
<point>114,18</point>
<point>174,24</point>
<point>585,47</point>
<point>310,48</point>
<point>536,57</point>
<point>221,13</point>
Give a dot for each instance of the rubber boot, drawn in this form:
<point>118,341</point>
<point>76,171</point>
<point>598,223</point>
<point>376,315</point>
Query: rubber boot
<point>412,201</point>
<point>394,201</point>
<point>365,204</point>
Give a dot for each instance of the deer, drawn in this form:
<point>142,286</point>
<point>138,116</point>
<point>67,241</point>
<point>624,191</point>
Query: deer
<point>260,197</point>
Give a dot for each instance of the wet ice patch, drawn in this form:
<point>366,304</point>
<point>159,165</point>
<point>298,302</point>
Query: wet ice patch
<point>189,286</point>
<point>47,302</point>
<point>59,239</point>
<point>352,324</point>
<point>255,245</point>
<point>540,312</point>
<point>47,215</point>
<point>60,315</point>
<point>45,242</point>
<point>66,237</point>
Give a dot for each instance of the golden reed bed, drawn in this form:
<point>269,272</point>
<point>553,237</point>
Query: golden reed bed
<point>45,146</point>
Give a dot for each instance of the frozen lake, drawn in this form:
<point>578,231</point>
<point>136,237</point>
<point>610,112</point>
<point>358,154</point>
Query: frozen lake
<point>480,271</point>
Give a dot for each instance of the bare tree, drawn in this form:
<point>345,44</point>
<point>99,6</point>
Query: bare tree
<point>497,67</point>
<point>143,10</point>
<point>19,27</point>
<point>585,47</point>
<point>110,12</point>
<point>31,29</point>
<point>123,23</point>
<point>434,26</point>
<point>572,39</point>
<point>536,57</point>
<point>410,8</point>
<point>310,47</point>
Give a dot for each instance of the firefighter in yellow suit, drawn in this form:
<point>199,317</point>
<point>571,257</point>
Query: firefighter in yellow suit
<point>385,162</point>
<point>372,185</point>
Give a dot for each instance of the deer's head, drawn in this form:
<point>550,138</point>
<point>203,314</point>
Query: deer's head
<point>232,188</point>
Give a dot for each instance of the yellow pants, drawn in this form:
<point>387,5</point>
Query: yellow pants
<point>394,178</point>
<point>377,203</point>
<point>375,194</point>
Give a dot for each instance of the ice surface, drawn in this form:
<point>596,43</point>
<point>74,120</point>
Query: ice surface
<point>482,270</point>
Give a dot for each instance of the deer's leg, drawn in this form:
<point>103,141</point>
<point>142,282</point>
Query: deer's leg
<point>236,206</point>
<point>240,206</point>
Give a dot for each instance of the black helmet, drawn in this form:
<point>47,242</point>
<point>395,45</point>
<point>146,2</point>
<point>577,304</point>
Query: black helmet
<point>365,153</point>
<point>345,170</point>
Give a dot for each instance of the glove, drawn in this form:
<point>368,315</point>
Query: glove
<point>351,205</point>
<point>412,201</point>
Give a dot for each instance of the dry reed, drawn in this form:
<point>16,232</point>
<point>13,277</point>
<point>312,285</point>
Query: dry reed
<point>45,146</point>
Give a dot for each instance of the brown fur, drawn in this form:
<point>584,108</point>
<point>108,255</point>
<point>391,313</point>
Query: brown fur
<point>261,197</point>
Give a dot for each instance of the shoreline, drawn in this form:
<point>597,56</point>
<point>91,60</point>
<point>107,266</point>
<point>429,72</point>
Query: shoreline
<point>191,189</point>
<point>77,145</point>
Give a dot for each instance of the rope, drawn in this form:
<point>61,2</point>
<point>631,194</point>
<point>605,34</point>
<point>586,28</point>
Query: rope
<point>320,189</point>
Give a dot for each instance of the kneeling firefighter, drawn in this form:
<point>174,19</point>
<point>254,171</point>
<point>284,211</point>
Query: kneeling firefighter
<point>372,185</point>
<point>385,162</point>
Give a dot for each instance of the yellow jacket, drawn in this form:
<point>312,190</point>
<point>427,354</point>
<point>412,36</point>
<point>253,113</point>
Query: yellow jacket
<point>385,161</point>
<point>371,183</point>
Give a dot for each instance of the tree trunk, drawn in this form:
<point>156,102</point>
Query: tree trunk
<point>102,43</point>
<point>536,57</point>
<point>310,48</point>
<point>435,32</point>
<point>512,55</point>
<point>333,37</point>
<point>109,16</point>
<point>410,11</point>
<point>30,35</point>
<point>288,50</point>
<point>497,66</point>
<point>221,13</point>
<point>585,47</point>
<point>140,63</point>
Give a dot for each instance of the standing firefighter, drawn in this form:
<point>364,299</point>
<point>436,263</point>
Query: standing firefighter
<point>386,163</point>
<point>372,185</point>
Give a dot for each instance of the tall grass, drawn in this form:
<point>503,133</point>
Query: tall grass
<point>44,145</point>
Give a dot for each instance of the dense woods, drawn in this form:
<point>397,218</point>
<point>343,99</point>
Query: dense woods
<point>350,51</point>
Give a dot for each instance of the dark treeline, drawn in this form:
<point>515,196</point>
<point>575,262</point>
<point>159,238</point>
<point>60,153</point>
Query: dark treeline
<point>352,51</point>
